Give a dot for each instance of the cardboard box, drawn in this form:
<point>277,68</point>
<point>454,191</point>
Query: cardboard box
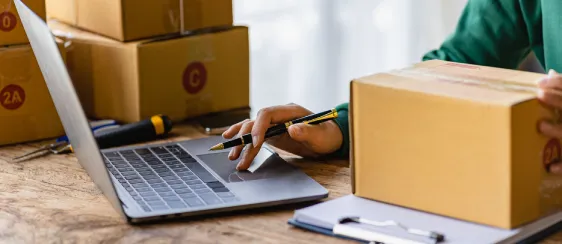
<point>456,140</point>
<point>127,20</point>
<point>26,108</point>
<point>181,77</point>
<point>11,29</point>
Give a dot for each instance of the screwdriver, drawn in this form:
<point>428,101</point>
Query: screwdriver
<point>153,128</point>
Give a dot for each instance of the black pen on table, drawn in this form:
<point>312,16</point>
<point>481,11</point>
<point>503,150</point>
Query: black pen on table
<point>279,129</point>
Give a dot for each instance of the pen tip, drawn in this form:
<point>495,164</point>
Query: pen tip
<point>217,147</point>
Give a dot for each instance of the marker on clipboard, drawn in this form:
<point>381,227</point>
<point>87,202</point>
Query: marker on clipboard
<point>342,228</point>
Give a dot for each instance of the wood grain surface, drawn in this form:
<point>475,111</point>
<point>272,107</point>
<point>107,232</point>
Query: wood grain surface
<point>52,200</point>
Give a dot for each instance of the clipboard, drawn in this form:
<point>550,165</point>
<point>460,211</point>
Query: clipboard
<point>323,218</point>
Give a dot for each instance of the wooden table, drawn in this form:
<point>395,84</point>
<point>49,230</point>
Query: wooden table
<point>52,200</point>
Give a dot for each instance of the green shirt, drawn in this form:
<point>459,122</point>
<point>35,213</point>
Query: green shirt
<point>498,33</point>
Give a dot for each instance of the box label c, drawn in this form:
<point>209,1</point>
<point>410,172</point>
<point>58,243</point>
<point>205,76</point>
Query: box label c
<point>12,97</point>
<point>194,77</point>
<point>8,21</point>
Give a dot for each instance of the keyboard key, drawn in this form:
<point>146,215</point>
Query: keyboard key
<point>215,184</point>
<point>179,186</point>
<point>187,195</point>
<point>165,155</point>
<point>178,166</point>
<point>144,189</point>
<point>128,173</point>
<point>146,208</point>
<point>166,174</point>
<point>184,172</point>
<point>225,194</point>
<point>198,186</point>
<point>121,166</point>
<point>111,154</point>
<point>156,202</point>
<point>167,189</point>
<point>159,166</point>
<point>133,194</point>
<point>129,189</point>
<point>143,151</point>
<point>147,173</point>
<point>220,189</point>
<point>210,198</point>
<point>136,181</point>
<point>166,194</point>
<point>159,207</point>
<point>176,204</point>
<point>139,166</point>
<point>151,177</point>
<point>132,177</point>
<point>170,178</point>
<point>154,198</point>
<point>194,202</point>
<point>140,185</point>
<point>163,171</point>
<point>188,178</point>
<point>158,150</point>
<point>122,181</point>
<point>126,169</point>
<point>147,194</point>
<point>174,163</point>
<point>137,198</point>
<point>230,199</point>
<point>201,191</point>
<point>159,185</point>
<point>182,169</point>
<point>154,181</point>
<point>127,152</point>
<point>171,198</point>
<point>182,191</point>
<point>193,182</point>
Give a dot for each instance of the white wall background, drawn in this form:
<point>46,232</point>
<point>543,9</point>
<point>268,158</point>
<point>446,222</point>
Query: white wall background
<point>307,51</point>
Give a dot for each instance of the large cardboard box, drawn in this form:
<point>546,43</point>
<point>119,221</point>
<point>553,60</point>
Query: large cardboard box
<point>181,77</point>
<point>11,29</point>
<point>26,108</point>
<point>127,20</point>
<point>456,140</point>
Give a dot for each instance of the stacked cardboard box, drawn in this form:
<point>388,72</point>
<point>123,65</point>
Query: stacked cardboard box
<point>26,108</point>
<point>132,59</point>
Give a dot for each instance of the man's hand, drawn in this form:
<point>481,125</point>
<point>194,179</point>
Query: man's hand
<point>303,140</point>
<point>550,93</point>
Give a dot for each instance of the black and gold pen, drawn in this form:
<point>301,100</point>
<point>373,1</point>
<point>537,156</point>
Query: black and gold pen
<point>279,129</point>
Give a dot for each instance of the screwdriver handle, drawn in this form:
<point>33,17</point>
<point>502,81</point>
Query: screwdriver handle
<point>142,131</point>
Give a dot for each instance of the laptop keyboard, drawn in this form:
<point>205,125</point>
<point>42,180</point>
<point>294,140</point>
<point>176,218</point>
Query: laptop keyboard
<point>167,177</point>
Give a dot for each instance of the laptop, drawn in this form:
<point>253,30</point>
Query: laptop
<point>170,180</point>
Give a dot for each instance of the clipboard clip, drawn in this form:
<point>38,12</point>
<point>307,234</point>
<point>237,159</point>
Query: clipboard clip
<point>360,234</point>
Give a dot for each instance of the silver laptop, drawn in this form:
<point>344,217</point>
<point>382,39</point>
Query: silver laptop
<point>167,180</point>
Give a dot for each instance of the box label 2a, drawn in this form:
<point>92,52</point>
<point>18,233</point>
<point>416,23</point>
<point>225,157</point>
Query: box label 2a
<point>551,153</point>
<point>8,21</point>
<point>194,77</point>
<point>12,97</point>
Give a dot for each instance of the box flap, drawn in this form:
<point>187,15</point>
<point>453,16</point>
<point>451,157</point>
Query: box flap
<point>68,32</point>
<point>467,82</point>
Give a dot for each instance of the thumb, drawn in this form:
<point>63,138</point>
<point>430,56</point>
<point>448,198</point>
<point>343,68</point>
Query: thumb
<point>305,133</point>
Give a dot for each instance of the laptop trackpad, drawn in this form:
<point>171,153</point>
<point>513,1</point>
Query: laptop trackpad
<point>273,166</point>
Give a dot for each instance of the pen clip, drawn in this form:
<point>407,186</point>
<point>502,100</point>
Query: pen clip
<point>342,228</point>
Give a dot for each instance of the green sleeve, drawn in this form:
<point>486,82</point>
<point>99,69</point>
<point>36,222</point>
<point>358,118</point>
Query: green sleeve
<point>343,123</point>
<point>489,32</point>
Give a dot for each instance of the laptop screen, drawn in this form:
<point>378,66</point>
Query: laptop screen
<point>66,101</point>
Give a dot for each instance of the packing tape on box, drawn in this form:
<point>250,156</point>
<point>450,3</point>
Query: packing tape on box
<point>480,82</point>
